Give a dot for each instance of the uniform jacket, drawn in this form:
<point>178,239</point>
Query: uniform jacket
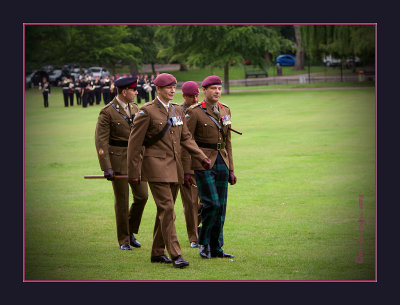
<point>112,126</point>
<point>204,130</point>
<point>162,160</point>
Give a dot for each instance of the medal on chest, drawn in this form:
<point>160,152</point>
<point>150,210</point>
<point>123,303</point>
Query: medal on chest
<point>177,120</point>
<point>226,120</point>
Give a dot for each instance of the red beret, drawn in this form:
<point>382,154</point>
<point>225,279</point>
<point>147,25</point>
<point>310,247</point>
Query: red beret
<point>211,80</point>
<point>165,79</point>
<point>190,88</point>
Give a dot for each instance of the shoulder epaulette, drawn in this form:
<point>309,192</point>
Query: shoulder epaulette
<point>194,106</point>
<point>176,104</point>
<point>147,104</point>
<point>106,106</point>
<point>224,105</point>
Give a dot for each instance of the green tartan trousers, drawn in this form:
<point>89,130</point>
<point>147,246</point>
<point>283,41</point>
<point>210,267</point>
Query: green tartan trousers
<point>213,191</point>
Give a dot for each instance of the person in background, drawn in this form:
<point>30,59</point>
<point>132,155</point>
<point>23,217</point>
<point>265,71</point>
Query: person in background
<point>97,90</point>
<point>65,89</point>
<point>106,90</point>
<point>188,190</point>
<point>78,91</point>
<point>45,87</point>
<point>153,87</point>
<point>71,91</point>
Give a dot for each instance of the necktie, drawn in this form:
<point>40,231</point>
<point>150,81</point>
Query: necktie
<point>216,111</point>
<point>127,110</point>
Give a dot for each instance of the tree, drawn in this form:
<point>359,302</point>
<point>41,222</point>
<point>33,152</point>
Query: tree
<point>300,51</point>
<point>218,45</point>
<point>84,44</point>
<point>143,36</point>
<point>340,41</point>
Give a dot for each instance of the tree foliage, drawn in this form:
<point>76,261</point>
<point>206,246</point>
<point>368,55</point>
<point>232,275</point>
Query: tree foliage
<point>219,45</point>
<point>340,41</point>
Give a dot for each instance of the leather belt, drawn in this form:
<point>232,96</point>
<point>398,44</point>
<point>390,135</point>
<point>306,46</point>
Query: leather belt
<point>118,143</point>
<point>216,146</point>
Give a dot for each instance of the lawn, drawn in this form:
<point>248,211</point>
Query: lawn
<point>303,161</point>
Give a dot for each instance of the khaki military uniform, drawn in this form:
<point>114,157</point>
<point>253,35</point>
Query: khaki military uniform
<point>190,200</point>
<point>111,139</point>
<point>204,130</point>
<point>212,184</point>
<point>162,167</point>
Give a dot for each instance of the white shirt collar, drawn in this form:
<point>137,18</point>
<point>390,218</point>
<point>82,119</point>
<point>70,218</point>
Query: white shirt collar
<point>124,106</point>
<point>165,105</point>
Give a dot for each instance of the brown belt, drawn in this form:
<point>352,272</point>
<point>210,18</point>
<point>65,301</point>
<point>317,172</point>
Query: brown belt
<point>216,146</point>
<point>118,143</point>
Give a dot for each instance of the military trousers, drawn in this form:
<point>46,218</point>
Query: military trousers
<point>213,190</point>
<point>191,207</point>
<point>46,99</point>
<point>106,96</point>
<point>128,219</point>
<point>78,97</point>
<point>164,234</point>
<point>66,96</point>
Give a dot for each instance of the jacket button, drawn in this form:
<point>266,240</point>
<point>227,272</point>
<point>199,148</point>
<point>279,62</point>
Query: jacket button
<point>205,124</point>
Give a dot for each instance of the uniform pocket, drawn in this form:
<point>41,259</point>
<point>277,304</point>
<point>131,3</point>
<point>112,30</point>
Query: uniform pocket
<point>203,129</point>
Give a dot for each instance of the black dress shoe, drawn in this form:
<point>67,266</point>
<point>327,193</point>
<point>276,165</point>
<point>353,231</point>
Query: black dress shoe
<point>205,251</point>
<point>180,262</point>
<point>161,259</point>
<point>125,247</point>
<point>222,254</point>
<point>134,242</point>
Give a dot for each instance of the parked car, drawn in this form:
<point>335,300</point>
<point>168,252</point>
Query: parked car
<point>330,61</point>
<point>37,77</point>
<point>286,60</point>
<point>47,68</point>
<point>55,77</point>
<point>98,71</point>
<point>28,78</point>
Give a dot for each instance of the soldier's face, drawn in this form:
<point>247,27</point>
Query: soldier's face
<point>213,93</point>
<point>130,94</point>
<point>166,93</point>
<point>191,99</point>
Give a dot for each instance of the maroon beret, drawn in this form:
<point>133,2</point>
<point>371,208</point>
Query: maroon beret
<point>190,88</point>
<point>165,79</point>
<point>211,80</point>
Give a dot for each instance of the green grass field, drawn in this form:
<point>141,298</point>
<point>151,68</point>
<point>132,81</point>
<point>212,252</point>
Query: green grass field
<point>302,162</point>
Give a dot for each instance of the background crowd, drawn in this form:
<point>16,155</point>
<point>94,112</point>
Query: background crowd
<point>89,90</point>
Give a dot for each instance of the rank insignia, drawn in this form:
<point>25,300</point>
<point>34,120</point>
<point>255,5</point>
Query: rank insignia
<point>101,151</point>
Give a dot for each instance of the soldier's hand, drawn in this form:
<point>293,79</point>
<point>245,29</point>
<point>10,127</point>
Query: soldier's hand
<point>134,181</point>
<point>232,178</point>
<point>188,181</point>
<point>206,163</point>
<point>109,174</point>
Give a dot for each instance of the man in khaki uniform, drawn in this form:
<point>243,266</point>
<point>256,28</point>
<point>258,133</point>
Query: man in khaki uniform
<point>209,123</point>
<point>111,138</point>
<point>160,126</point>
<point>188,190</point>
